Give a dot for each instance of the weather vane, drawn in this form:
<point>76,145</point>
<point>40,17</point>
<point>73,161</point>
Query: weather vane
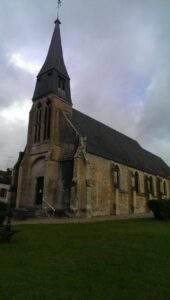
<point>58,7</point>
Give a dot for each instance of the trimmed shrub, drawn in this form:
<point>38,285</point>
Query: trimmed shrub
<point>3,212</point>
<point>160,209</point>
<point>3,206</point>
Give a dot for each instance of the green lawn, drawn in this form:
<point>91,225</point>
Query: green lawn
<point>105,260</point>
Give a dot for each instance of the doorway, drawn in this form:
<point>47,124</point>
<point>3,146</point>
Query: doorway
<point>67,176</point>
<point>39,190</point>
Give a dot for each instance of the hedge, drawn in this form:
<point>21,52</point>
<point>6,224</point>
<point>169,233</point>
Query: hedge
<point>160,209</point>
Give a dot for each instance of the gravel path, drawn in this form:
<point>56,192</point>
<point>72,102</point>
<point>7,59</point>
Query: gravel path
<point>52,220</point>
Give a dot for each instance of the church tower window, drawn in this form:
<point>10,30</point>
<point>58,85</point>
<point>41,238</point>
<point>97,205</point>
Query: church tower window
<point>38,117</point>
<point>61,86</point>
<point>61,83</point>
<point>47,121</point>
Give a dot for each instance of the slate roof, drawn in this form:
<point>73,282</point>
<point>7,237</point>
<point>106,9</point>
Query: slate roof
<point>54,66</point>
<point>54,57</point>
<point>111,144</point>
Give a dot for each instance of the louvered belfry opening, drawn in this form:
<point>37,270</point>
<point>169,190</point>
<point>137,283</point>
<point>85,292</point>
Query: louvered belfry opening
<point>38,122</point>
<point>47,121</point>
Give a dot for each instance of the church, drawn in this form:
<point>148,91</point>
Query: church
<point>77,165</point>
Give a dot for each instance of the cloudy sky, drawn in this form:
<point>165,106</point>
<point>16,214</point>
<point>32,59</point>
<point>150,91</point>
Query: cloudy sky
<point>118,56</point>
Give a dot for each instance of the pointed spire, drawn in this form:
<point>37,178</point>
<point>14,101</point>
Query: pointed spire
<point>53,69</point>
<point>55,58</point>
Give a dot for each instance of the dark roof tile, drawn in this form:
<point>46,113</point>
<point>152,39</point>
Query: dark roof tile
<point>111,144</point>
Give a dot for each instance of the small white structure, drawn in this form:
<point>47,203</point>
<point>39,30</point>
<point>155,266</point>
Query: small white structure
<point>5,183</point>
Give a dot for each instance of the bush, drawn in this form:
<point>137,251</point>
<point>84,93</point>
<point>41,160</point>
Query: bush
<point>160,209</point>
<point>3,212</point>
<point>3,206</point>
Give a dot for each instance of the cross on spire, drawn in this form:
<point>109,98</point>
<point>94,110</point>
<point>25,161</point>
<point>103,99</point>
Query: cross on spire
<point>59,3</point>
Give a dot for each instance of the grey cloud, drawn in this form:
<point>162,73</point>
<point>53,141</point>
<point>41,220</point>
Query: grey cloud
<point>155,119</point>
<point>154,126</point>
<point>12,140</point>
<point>117,54</point>
<point>15,84</point>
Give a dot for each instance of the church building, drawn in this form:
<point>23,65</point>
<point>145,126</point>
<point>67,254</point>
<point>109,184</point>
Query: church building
<point>77,165</point>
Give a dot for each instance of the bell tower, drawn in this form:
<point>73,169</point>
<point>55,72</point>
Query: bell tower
<point>40,173</point>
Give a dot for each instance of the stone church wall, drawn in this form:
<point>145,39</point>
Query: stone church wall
<point>102,197</point>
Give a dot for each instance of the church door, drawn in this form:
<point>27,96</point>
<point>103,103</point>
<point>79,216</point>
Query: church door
<point>67,175</point>
<point>39,191</point>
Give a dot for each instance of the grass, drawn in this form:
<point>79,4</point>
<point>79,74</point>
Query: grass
<point>106,260</point>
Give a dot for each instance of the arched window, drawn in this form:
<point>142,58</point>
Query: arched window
<point>3,193</point>
<point>158,184</point>
<point>147,185</point>
<point>164,188</point>
<point>150,184</point>
<point>116,176</point>
<point>137,182</point>
<point>47,121</point>
<point>38,117</point>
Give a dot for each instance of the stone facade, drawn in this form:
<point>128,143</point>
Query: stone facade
<point>92,190</point>
<point>42,159</point>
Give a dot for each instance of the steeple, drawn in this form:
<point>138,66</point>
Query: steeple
<point>53,76</point>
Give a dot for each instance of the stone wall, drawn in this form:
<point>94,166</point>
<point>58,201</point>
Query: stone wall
<point>95,188</point>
